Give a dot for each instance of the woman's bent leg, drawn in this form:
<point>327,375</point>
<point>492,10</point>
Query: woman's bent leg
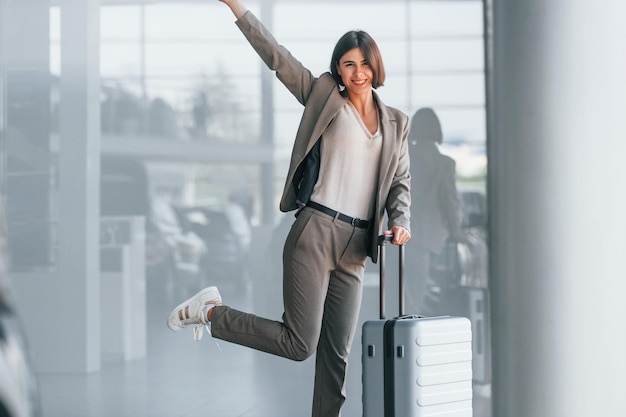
<point>307,262</point>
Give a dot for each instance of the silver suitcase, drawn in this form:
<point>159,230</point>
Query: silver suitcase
<point>415,366</point>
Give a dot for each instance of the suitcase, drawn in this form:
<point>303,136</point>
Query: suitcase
<point>415,366</point>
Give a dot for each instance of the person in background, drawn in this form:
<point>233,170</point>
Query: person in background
<point>435,216</point>
<point>349,165</point>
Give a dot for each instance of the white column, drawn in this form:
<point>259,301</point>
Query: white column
<point>558,208</point>
<point>77,342</point>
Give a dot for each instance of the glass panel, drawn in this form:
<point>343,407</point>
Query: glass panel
<point>26,135</point>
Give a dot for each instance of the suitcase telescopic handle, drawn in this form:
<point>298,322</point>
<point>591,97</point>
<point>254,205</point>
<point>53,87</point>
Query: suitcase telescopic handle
<point>382,241</point>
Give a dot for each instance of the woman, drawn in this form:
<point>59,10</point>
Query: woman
<point>349,164</point>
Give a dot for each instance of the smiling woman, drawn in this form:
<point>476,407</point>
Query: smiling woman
<point>342,181</point>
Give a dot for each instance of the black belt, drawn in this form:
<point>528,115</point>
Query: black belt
<point>361,224</point>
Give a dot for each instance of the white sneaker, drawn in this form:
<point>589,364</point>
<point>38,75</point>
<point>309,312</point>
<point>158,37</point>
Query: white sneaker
<point>194,310</point>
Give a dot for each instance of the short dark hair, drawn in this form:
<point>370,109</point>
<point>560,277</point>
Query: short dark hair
<point>362,40</point>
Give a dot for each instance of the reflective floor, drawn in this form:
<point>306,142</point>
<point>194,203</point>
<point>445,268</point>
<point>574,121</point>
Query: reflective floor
<point>180,377</point>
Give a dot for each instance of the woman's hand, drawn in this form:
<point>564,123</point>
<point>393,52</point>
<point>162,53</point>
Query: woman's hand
<point>400,235</point>
<point>236,6</point>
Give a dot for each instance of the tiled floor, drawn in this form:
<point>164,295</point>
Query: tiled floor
<point>182,378</point>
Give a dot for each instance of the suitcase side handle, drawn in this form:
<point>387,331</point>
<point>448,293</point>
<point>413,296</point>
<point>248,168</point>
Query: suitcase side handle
<point>382,241</point>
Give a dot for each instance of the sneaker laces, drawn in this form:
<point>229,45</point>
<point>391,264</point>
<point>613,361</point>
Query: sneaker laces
<point>198,331</point>
<point>198,328</point>
<point>201,322</point>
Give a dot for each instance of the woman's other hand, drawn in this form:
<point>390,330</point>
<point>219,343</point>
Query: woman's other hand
<point>400,235</point>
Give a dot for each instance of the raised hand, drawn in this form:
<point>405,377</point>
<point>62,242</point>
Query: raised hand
<point>236,6</point>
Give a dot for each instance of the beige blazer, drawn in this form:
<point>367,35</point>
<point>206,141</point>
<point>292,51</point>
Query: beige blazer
<point>322,100</point>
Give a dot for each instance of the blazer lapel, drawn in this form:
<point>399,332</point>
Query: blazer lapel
<point>329,110</point>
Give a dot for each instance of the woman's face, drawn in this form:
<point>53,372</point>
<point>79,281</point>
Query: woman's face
<point>355,72</point>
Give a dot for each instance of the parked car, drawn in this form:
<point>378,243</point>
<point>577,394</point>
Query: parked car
<point>172,251</point>
<point>19,393</point>
<point>227,235</point>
